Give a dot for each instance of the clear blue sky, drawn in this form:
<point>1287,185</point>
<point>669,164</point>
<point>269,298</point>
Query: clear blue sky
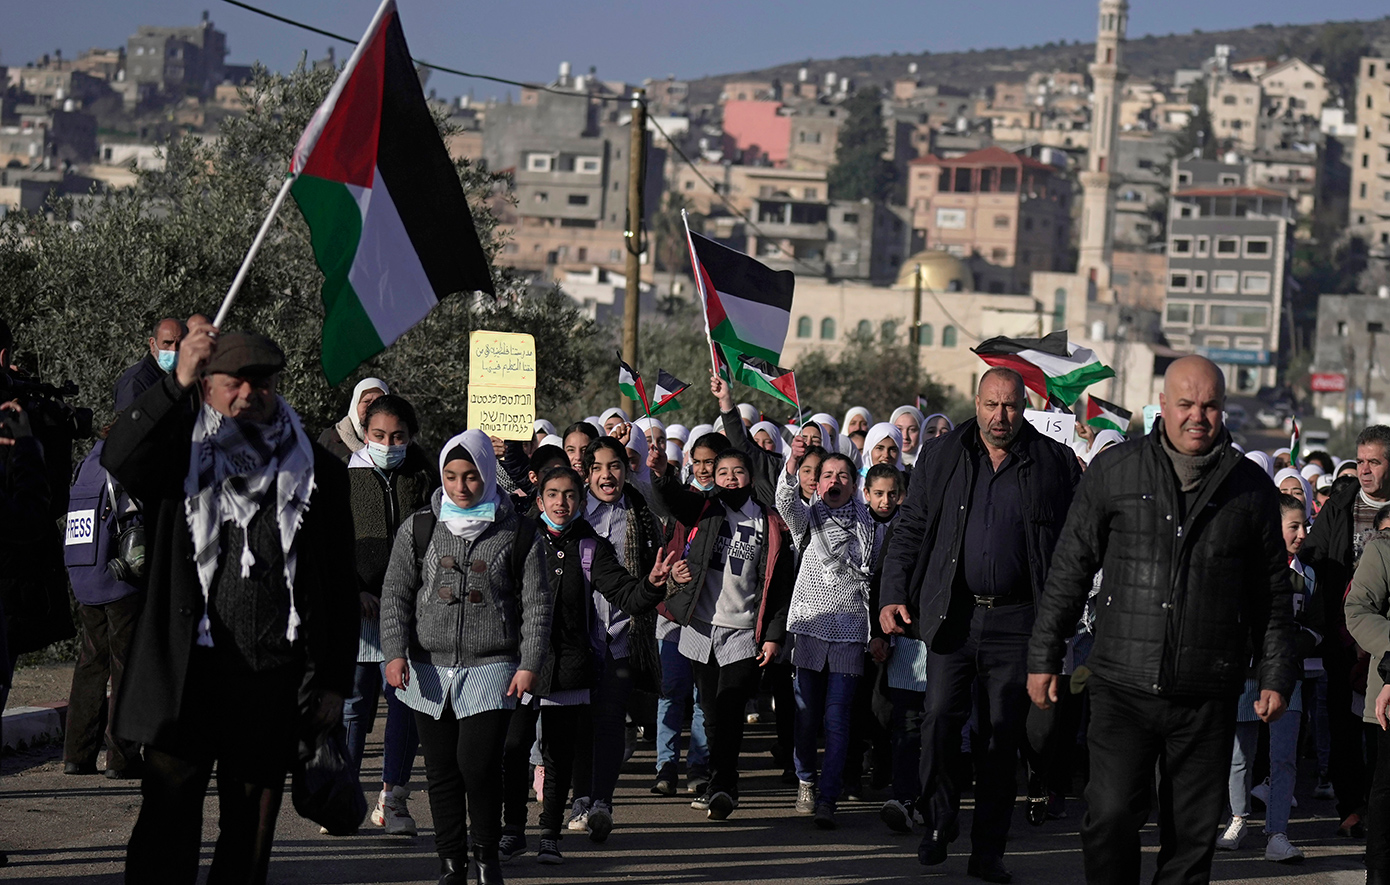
<point>627,39</point>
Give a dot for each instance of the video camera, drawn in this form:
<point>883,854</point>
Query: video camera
<point>49,414</point>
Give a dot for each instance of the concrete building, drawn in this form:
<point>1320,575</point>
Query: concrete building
<point>177,60</point>
<point>1295,88</point>
<point>815,135</point>
<point>1227,259</point>
<point>1349,372</point>
<point>1235,108</point>
<point>1010,210</point>
<point>569,156</point>
<point>1097,182</point>
<point>55,83</point>
<point>1140,181</point>
<point>1370,159</point>
<point>757,132</point>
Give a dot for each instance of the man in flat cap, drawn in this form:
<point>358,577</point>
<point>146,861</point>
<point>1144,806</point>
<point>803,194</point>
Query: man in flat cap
<point>249,633</point>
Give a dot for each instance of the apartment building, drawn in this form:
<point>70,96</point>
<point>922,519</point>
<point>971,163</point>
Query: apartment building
<point>1370,157</point>
<point>177,60</point>
<point>1008,209</point>
<point>1234,105</point>
<point>1227,257</point>
<point>1295,88</point>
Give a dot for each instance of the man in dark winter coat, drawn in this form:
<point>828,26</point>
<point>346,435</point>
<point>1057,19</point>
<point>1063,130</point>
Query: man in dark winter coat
<point>153,366</point>
<point>1195,582</point>
<point>248,636</point>
<point>967,563</point>
<point>1332,550</point>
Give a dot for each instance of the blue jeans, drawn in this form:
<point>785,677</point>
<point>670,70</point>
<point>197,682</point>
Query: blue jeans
<point>1283,769</point>
<point>401,741</point>
<point>828,697</point>
<point>677,686</point>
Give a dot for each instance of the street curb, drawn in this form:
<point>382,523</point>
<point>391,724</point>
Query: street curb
<point>29,727</point>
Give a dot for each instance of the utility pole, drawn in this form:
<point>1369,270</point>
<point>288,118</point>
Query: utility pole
<point>1373,329</point>
<point>916,328</point>
<point>636,166</point>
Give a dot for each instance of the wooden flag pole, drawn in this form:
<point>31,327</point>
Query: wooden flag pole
<point>251,253</point>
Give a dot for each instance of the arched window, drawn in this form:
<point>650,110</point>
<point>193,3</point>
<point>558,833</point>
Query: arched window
<point>924,335</point>
<point>803,327</point>
<point>1059,309</point>
<point>865,330</point>
<point>827,329</point>
<point>888,330</point>
<point>948,336</point>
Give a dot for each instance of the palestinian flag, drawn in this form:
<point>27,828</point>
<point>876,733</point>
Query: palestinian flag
<point>747,304</point>
<point>1101,414</point>
<point>1295,443</point>
<point>668,387</point>
<point>1050,366</point>
<point>761,375</point>
<point>630,383</point>
<point>388,220</point>
<point>1056,405</point>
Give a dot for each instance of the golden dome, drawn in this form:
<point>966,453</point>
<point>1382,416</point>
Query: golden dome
<point>941,272</point>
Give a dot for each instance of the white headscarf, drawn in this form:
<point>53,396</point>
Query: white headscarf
<point>479,447</point>
<point>674,452</point>
<point>858,410</point>
<point>1106,437</point>
<point>778,447</point>
<point>362,387</point>
<point>877,434</point>
<point>609,413</point>
<point>677,431</point>
<point>637,444</point>
<point>1312,471</point>
<point>648,423</point>
<point>1308,499</point>
<point>825,419</point>
<point>1284,451</point>
<point>552,440</point>
<point>1266,463</point>
<point>542,424</point>
<point>748,412</point>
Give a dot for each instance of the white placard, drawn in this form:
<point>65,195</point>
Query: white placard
<point>1057,425</point>
<point>80,527</point>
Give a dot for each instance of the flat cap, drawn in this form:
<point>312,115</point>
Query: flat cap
<point>245,354</point>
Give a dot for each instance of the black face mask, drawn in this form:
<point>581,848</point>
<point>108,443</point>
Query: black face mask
<point>735,498</point>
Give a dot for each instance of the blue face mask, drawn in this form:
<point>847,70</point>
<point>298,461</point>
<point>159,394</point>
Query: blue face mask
<point>554,526</point>
<point>449,510</point>
<point>385,457</point>
<point>167,359</point>
<point>699,485</point>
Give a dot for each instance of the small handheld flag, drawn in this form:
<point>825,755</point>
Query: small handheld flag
<point>759,374</point>
<point>1102,414</point>
<point>1295,443</point>
<point>921,404</point>
<point>668,387</point>
<point>1056,405</point>
<point>1050,366</point>
<point>630,383</point>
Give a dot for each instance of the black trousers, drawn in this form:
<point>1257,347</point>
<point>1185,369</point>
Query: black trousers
<point>993,646</point>
<point>566,737</point>
<point>1346,767</point>
<point>724,693</point>
<point>1051,740</point>
<point>1190,738</point>
<point>246,723</point>
<point>463,765</point>
<point>106,634</point>
<point>1378,809</point>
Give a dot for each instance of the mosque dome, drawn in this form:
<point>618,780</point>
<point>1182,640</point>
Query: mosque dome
<point>941,272</point>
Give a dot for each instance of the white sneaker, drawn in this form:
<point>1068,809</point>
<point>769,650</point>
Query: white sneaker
<point>1280,850</point>
<point>1234,835</point>
<point>579,815</point>
<point>393,813</point>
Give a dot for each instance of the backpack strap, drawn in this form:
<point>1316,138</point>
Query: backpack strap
<point>421,531</point>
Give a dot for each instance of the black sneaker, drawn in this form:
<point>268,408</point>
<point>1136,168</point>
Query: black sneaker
<point>549,852</point>
<point>511,844</point>
<point>721,805</point>
<point>825,815</point>
<point>666,780</point>
<point>80,768</point>
<point>701,801</point>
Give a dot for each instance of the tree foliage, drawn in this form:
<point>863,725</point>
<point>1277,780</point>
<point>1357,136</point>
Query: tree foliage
<point>860,171</point>
<point>82,296</point>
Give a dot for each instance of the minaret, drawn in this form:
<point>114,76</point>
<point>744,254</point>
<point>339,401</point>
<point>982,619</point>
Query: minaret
<point>1098,196</point>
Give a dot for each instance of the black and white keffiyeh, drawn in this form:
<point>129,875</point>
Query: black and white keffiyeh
<point>230,471</point>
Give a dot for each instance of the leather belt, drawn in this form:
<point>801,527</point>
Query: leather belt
<point>997,601</point>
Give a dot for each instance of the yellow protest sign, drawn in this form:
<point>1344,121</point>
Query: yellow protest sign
<point>501,359</point>
<point>502,384</point>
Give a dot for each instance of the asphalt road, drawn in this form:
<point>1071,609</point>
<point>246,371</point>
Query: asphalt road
<point>60,828</point>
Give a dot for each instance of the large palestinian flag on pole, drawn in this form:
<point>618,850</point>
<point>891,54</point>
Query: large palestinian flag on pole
<point>389,223</point>
<point>1050,366</point>
<point>748,305</point>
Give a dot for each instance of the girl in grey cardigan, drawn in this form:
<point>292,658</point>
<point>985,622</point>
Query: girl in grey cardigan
<point>464,630</point>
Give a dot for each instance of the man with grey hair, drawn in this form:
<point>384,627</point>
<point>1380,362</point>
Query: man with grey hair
<point>1195,584</point>
<point>153,366</point>
<point>1332,550</point>
<point>967,563</point>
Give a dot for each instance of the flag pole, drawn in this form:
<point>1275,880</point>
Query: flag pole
<point>251,253</point>
<point>700,288</point>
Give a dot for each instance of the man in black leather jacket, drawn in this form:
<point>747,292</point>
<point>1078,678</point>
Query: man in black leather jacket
<point>966,565</point>
<point>1195,582</point>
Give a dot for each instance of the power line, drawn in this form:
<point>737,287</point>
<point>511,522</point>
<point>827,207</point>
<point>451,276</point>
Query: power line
<point>932,292</point>
<point>424,64</point>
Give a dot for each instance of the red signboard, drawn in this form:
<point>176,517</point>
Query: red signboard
<point>1328,382</point>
